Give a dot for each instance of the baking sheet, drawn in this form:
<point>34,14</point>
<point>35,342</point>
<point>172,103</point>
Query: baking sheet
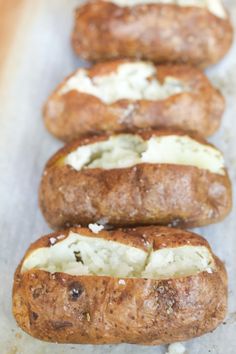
<point>40,57</point>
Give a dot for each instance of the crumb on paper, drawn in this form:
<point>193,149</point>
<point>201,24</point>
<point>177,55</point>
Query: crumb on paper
<point>176,348</point>
<point>96,228</point>
<point>121,282</point>
<point>18,335</point>
<point>13,350</point>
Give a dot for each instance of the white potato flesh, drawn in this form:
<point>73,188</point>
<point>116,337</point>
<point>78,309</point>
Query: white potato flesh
<point>127,150</point>
<point>82,255</point>
<point>216,7</point>
<point>98,256</point>
<point>132,81</point>
<point>185,260</point>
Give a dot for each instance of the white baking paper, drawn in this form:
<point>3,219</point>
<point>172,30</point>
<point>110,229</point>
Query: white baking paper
<point>40,57</point>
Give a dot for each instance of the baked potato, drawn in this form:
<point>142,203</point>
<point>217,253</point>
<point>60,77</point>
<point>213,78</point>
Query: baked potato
<point>125,96</point>
<point>197,32</point>
<point>148,285</point>
<point>151,177</point>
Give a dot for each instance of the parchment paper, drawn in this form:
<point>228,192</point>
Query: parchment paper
<point>40,58</point>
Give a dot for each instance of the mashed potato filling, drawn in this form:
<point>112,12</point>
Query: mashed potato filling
<point>132,81</point>
<point>126,150</point>
<point>214,6</point>
<point>82,255</point>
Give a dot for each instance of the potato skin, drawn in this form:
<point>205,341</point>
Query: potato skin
<point>75,114</point>
<point>157,32</point>
<point>104,311</point>
<point>144,194</point>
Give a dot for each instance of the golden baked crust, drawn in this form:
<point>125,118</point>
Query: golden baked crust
<point>144,194</point>
<point>103,310</point>
<point>157,32</point>
<point>76,114</point>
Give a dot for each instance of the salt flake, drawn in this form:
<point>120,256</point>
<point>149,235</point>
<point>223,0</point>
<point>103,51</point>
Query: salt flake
<point>96,228</point>
<point>52,240</point>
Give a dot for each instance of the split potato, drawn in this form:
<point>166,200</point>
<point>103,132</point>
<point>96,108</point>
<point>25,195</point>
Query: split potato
<point>148,285</point>
<point>152,177</point>
<point>124,96</point>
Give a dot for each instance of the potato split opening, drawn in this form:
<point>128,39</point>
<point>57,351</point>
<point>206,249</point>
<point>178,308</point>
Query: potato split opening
<point>215,7</point>
<point>82,255</point>
<point>132,81</point>
<point>126,150</point>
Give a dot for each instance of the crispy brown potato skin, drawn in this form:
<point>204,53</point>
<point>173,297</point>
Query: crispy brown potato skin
<point>157,32</point>
<point>141,311</point>
<point>77,114</point>
<point>144,194</point>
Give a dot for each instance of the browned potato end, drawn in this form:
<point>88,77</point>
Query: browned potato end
<point>157,32</point>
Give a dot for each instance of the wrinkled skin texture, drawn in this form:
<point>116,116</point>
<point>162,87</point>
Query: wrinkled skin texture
<point>157,32</point>
<point>76,114</point>
<point>144,194</point>
<point>88,309</point>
